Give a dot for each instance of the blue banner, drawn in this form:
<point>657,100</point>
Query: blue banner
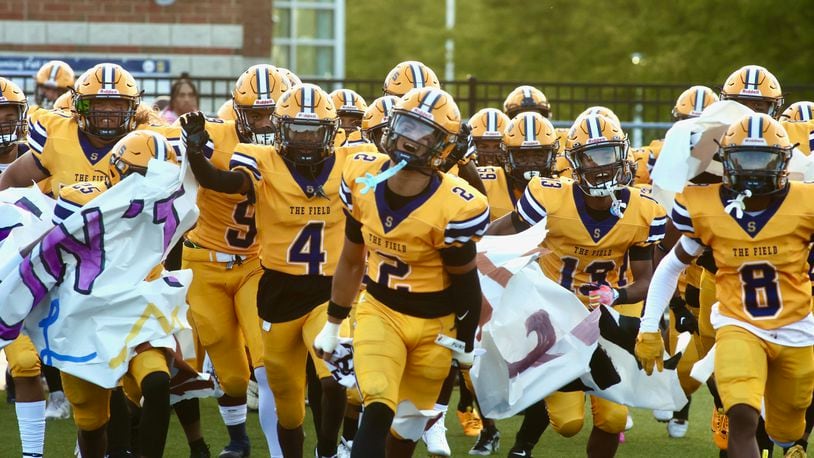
<point>28,65</point>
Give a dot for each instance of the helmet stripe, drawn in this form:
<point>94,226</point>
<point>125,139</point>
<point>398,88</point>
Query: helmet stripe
<point>805,113</point>
<point>594,129</point>
<point>429,101</point>
<point>308,100</point>
<point>347,96</point>
<point>108,76</point>
<point>752,76</point>
<point>530,127</point>
<point>700,95</point>
<point>54,72</point>
<point>755,127</point>
<point>526,93</point>
<point>491,121</point>
<point>418,76</point>
<point>262,82</point>
<point>387,104</point>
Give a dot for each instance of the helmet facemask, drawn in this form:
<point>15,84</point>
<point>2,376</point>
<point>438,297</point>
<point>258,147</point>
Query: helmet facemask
<point>247,120</point>
<point>601,169</point>
<point>761,170</point>
<point>13,125</point>
<point>112,123</point>
<point>375,135</point>
<point>525,164</point>
<point>305,141</point>
<point>416,141</point>
<point>490,151</point>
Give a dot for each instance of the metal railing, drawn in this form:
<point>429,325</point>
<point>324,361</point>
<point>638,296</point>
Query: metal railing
<point>645,108</point>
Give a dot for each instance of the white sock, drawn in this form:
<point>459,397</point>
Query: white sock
<point>56,396</point>
<point>267,412</point>
<point>233,415</point>
<point>440,408</point>
<point>31,421</point>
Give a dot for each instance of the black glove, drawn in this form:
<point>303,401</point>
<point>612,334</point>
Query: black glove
<point>461,149</point>
<point>194,125</point>
<point>685,321</point>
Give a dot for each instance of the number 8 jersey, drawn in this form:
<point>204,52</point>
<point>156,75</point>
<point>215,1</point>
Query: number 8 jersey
<point>762,259</point>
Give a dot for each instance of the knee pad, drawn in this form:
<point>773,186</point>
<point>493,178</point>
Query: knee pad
<point>409,422</point>
<point>611,420</point>
<point>233,385</point>
<point>26,364</point>
<point>156,385</point>
<point>569,428</point>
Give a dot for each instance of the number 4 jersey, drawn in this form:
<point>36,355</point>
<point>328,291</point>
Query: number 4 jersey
<point>583,250</point>
<point>762,276</point>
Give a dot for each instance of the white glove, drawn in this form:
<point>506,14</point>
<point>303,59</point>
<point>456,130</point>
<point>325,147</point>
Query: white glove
<point>465,360</point>
<point>326,341</point>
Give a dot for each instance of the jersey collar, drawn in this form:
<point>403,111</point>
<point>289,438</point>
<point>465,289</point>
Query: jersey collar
<point>391,218</point>
<point>597,229</point>
<point>92,153</point>
<point>757,222</point>
<point>310,187</point>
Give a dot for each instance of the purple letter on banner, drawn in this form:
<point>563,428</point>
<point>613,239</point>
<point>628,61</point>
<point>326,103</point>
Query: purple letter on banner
<point>89,254</point>
<point>165,213</point>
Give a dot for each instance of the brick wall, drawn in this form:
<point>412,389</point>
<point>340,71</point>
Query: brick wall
<point>186,29</point>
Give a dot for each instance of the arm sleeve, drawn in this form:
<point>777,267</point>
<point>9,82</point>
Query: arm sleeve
<point>353,229</point>
<point>663,284</point>
<point>465,292</point>
<point>210,177</point>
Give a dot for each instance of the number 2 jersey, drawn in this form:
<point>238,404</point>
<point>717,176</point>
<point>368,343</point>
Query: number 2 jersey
<point>762,259</point>
<point>405,270</point>
<point>301,226</point>
<point>582,250</point>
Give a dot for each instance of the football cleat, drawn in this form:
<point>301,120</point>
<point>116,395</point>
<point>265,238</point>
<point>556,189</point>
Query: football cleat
<point>236,449</point>
<point>663,416</point>
<point>521,450</point>
<point>677,428</point>
<point>58,407</point>
<point>720,428</point>
<point>470,422</point>
<point>796,452</point>
<point>344,448</point>
<point>435,437</point>
<point>487,444</point>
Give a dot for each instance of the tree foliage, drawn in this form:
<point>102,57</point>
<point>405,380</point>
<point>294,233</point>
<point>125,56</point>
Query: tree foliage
<point>583,40</point>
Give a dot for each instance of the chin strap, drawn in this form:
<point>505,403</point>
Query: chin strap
<point>737,203</point>
<point>371,181</point>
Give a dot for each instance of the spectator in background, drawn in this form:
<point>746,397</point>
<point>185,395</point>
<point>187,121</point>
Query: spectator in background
<point>161,103</point>
<point>183,99</point>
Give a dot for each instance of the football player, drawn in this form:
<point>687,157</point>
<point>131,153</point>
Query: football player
<point>148,369</point>
<point>53,79</point>
<point>408,75</point>
<point>376,118</point>
<point>296,187</point>
<point>418,228</point>
<point>74,147</point>
<point>798,120</point>
<point>223,253</point>
<point>13,123</point>
<point>598,226</point>
<point>350,107</point>
<point>759,228</point>
<point>526,98</point>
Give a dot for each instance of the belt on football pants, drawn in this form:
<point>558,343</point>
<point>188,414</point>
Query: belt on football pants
<point>216,256</point>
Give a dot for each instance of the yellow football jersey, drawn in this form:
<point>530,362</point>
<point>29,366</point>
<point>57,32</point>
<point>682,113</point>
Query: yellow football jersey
<point>762,259</point>
<point>303,226</point>
<point>582,250</point>
<point>226,222</point>
<point>502,196</point>
<point>404,245</point>
<point>800,132</point>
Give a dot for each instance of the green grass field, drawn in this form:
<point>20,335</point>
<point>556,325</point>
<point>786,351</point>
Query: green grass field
<point>648,438</point>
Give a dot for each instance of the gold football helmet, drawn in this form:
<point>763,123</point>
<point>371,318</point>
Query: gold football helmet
<point>599,110</point>
<point>597,149</point>
<point>755,87</point>
<point>692,102</point>
<point>531,145</point>
<point>486,130</point>
<point>376,118</point>
<point>423,129</point>
<point>526,98</point>
<point>254,98</point>
<point>105,101</point>
<point>13,115</point>
<point>755,152</point>
<point>133,152</point>
<point>798,112</point>
<point>409,75</point>
<point>306,123</point>
<point>292,77</point>
<point>53,79</point>
<point>350,107</point>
